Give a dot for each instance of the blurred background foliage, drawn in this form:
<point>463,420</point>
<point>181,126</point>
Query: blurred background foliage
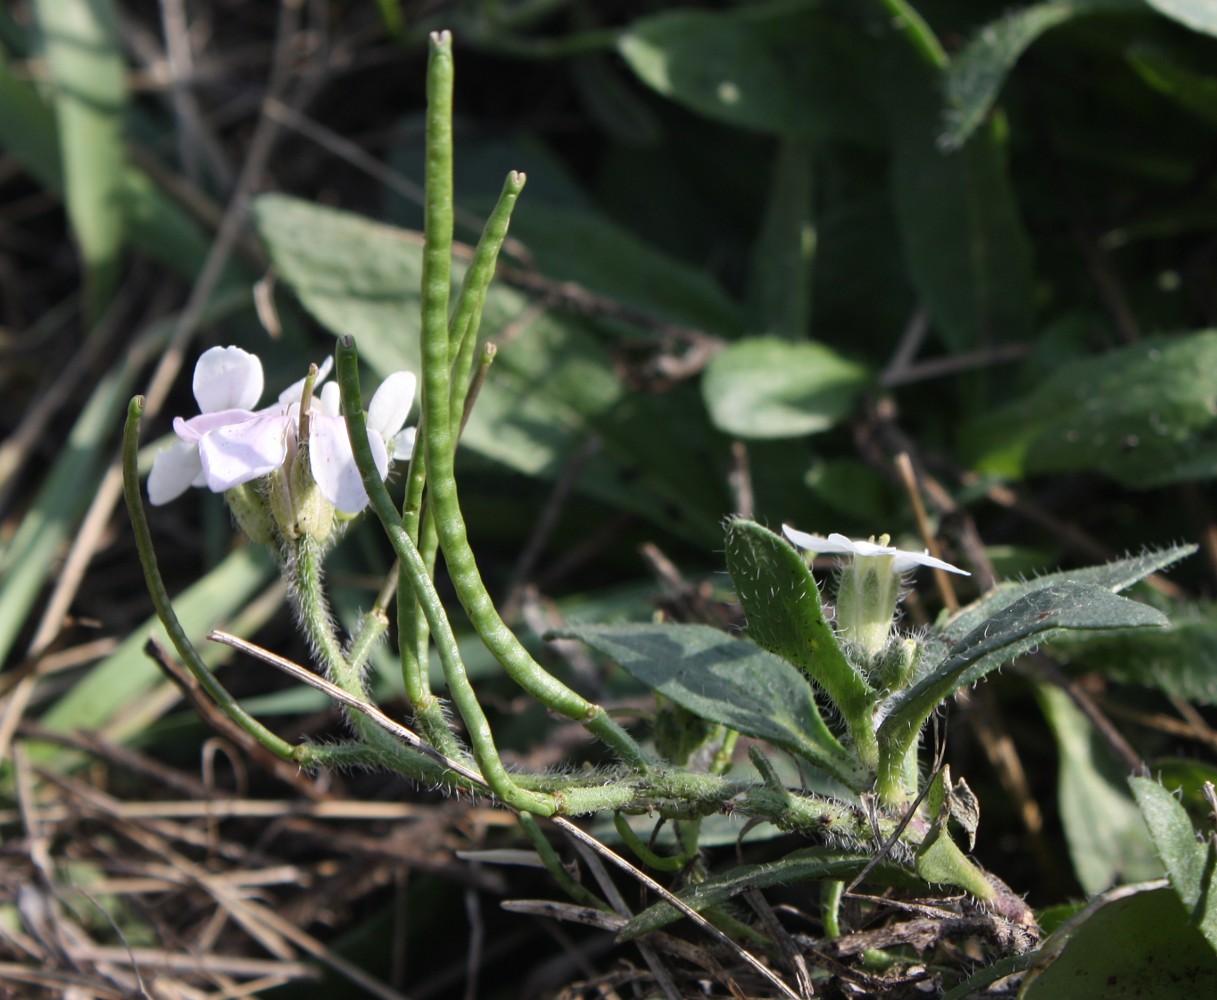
<point>764,248</point>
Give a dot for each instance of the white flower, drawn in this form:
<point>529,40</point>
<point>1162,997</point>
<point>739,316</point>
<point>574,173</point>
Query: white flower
<point>869,587</point>
<point>229,443</point>
<point>227,384</point>
<point>902,560</point>
<point>329,446</point>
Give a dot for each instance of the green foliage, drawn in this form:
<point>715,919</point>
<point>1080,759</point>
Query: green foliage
<point>1189,862</point>
<point>766,387</point>
<point>1135,942</point>
<point>726,680</point>
<point>1141,414</point>
<point>1090,784</point>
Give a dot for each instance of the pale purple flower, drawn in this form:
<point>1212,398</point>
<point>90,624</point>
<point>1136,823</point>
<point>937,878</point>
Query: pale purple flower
<point>230,443</point>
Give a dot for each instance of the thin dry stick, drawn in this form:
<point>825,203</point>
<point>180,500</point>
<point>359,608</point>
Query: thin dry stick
<point>417,743</point>
<point>673,900</point>
<point>904,467</point>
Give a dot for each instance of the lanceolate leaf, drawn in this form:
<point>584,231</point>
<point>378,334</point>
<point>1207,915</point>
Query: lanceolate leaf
<point>976,73</point>
<point>966,248</point>
<point>1189,862</point>
<point>1115,576</point>
<point>726,680</point>
<point>782,602</point>
<point>1024,624</point>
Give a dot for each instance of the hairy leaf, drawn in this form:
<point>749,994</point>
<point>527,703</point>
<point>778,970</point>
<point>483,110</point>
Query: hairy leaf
<point>1024,624</point>
<point>782,601</point>
<point>726,680</point>
<point>1190,863</point>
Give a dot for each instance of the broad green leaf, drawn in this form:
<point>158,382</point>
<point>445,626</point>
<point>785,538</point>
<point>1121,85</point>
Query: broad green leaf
<point>967,251</point>
<point>553,385</point>
<point>1117,575</point>
<point>782,601</point>
<point>1193,91</point>
<point>801,866</point>
<point>977,72</point>
<point>777,67</point>
<point>1029,621</point>
<point>726,680</point>
<point>1134,943</point>
<point>1180,659</point>
<point>1142,414</point>
<point>88,81</point>
<point>767,387</point>
<point>1199,15</point>
<point>1091,785</point>
<point>1189,862</point>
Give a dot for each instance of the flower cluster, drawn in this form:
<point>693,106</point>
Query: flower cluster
<point>230,443</point>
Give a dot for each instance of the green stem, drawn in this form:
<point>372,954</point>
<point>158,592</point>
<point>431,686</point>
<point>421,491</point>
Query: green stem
<point>481,738</point>
<point>918,34</point>
<point>308,594</point>
<point>440,436</point>
<point>555,867</point>
<point>648,857</point>
<point>467,317</point>
<point>303,755</point>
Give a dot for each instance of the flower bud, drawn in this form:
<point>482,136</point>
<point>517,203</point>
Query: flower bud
<point>250,510</point>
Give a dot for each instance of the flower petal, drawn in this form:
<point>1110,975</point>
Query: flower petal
<point>905,561</point>
<point>403,444</point>
<point>329,401</point>
<point>239,453</point>
<point>227,378</point>
<point>174,471</point>
<point>194,428</point>
<point>814,543</point>
<point>391,404</point>
<point>333,463</point>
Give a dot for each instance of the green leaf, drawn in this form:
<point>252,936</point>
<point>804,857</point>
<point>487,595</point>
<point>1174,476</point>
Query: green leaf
<point>1199,15</point>
<point>1117,575</point>
<point>1142,414</point>
<point>1189,862</point>
<point>1029,621</point>
<point>726,680</point>
<point>1134,943</point>
<point>88,80</point>
<point>782,601</point>
<point>767,387</point>
<point>939,859</point>
<point>1180,659</point>
<point>801,866</point>
<point>967,251</point>
<point>770,67</point>
<point>977,72</point>
<point>1091,784</point>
